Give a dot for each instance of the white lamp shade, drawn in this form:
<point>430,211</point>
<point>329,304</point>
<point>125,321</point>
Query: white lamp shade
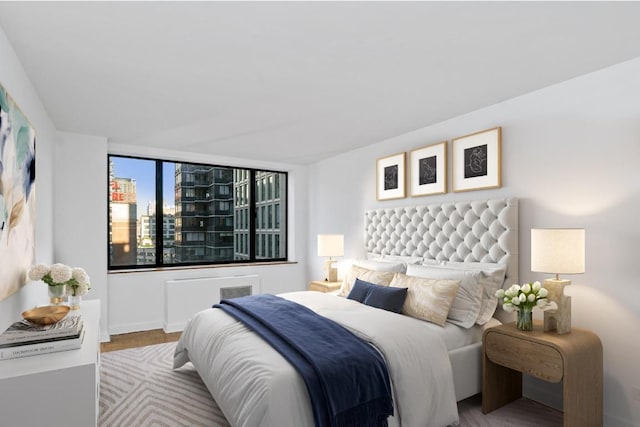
<point>330,245</point>
<point>557,250</point>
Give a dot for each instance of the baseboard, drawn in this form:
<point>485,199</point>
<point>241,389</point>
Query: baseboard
<point>174,327</point>
<point>134,327</point>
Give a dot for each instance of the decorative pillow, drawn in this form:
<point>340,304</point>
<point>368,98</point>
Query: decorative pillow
<point>491,279</point>
<point>427,299</point>
<point>359,290</point>
<point>382,278</point>
<point>466,305</point>
<point>386,298</point>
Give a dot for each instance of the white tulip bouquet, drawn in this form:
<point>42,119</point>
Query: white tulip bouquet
<point>523,299</point>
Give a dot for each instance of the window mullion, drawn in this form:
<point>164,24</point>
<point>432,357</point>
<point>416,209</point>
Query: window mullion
<point>159,216</point>
<point>252,215</point>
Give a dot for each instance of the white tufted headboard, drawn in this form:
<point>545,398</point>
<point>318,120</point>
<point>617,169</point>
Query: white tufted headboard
<point>476,231</point>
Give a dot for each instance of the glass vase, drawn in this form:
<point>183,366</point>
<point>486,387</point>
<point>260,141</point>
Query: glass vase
<point>74,301</point>
<point>525,319</point>
<point>57,294</point>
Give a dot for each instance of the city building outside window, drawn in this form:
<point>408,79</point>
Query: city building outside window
<point>163,213</point>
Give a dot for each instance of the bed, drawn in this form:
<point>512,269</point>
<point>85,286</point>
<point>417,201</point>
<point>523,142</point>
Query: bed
<point>430,366</point>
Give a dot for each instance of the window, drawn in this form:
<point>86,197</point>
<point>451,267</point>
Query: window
<point>163,213</point>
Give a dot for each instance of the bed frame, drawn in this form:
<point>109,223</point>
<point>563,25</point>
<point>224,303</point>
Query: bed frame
<point>475,231</point>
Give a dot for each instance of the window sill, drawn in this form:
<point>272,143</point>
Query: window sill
<point>200,267</point>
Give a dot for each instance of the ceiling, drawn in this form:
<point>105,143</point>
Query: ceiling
<point>297,82</point>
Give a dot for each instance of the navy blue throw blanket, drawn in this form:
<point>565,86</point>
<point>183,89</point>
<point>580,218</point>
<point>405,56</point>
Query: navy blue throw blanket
<point>346,378</point>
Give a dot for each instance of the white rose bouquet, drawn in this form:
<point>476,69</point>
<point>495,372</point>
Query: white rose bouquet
<point>523,299</point>
<point>76,279</point>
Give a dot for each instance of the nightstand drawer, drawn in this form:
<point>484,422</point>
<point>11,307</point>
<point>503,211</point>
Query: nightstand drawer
<point>535,359</point>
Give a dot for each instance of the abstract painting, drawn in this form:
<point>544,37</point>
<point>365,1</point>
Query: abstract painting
<point>390,177</point>
<point>428,170</point>
<point>477,160</point>
<point>17,196</point>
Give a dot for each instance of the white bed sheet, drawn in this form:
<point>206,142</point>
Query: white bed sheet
<point>456,337</point>
<point>255,386</point>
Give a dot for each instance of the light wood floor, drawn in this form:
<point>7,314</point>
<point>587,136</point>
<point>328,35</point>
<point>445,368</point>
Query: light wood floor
<point>138,339</point>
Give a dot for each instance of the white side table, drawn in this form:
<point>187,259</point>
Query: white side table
<point>55,389</point>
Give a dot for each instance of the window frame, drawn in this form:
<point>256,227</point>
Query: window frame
<point>159,211</point>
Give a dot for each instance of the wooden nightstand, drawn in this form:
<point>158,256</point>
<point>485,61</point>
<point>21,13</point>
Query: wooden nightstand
<point>574,358</point>
<point>322,286</point>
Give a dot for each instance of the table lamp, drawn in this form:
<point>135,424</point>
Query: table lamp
<point>558,251</point>
<point>330,245</point>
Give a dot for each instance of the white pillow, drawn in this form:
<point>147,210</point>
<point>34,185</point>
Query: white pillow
<point>402,258</point>
<point>492,279</point>
<point>466,306</point>
<point>382,278</point>
<point>381,265</point>
<point>427,299</point>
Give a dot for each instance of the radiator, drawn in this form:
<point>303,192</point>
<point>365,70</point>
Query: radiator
<point>186,297</point>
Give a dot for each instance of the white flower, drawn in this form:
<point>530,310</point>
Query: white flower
<point>515,288</point>
<point>508,307</point>
<point>536,286</point>
<point>80,275</point>
<point>531,298</point>
<point>60,273</point>
<point>522,297</point>
<point>500,293</point>
<point>515,301</point>
<point>37,272</point>
<point>526,288</point>
<point>543,293</point>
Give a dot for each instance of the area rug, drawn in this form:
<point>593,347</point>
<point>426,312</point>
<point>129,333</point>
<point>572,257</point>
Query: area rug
<point>138,388</point>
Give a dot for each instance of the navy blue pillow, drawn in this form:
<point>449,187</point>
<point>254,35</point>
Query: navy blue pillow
<point>360,290</point>
<point>386,298</point>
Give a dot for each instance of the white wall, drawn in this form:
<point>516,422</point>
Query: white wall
<point>17,84</point>
<point>136,299</point>
<point>571,153</point>
<point>80,232</point>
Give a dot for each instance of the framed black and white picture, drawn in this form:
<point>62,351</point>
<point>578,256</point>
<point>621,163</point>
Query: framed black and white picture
<point>477,161</point>
<point>428,170</point>
<point>390,177</point>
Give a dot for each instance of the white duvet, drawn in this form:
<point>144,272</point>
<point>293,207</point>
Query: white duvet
<point>255,386</point>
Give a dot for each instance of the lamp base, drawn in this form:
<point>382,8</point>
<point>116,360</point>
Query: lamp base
<point>558,320</point>
<point>330,271</point>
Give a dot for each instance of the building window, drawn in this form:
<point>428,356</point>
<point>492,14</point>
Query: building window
<point>163,213</point>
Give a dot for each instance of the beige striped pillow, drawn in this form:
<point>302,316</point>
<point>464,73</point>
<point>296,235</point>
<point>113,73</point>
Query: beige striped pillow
<point>427,299</point>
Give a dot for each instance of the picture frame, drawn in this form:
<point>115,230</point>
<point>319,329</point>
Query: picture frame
<point>390,177</point>
<point>428,170</point>
<point>477,160</point>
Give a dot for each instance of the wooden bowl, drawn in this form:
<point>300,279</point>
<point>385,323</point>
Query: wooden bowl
<point>46,315</point>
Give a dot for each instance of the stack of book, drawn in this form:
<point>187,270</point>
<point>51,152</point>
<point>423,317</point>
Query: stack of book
<point>27,339</point>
